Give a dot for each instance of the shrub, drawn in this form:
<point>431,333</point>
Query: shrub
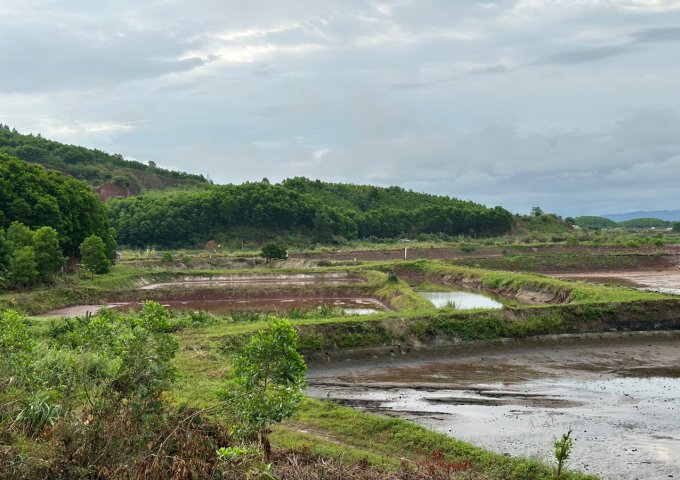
<point>267,382</point>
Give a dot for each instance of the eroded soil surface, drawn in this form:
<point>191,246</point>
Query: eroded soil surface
<point>620,393</point>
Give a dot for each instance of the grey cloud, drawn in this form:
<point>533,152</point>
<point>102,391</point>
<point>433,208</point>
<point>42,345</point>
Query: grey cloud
<point>658,35</point>
<point>60,57</point>
<point>463,98</point>
<point>587,54</point>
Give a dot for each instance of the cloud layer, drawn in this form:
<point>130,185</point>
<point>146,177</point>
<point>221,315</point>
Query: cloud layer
<point>572,106</point>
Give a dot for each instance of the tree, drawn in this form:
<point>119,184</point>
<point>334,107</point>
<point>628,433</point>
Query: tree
<point>19,236</point>
<point>93,255</point>
<point>274,251</point>
<point>23,268</point>
<point>111,244</point>
<point>536,212</point>
<point>4,251</point>
<point>47,252</point>
<point>268,377</point>
<point>676,227</point>
<point>323,230</point>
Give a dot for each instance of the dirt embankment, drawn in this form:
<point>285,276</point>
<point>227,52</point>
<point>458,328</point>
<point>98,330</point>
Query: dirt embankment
<point>526,295</point>
<point>346,340</point>
<point>438,253</point>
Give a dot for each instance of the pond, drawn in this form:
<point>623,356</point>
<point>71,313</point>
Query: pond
<point>350,305</point>
<point>461,300</point>
<point>618,392</point>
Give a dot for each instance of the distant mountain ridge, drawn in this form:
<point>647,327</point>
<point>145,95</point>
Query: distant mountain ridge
<point>668,215</point>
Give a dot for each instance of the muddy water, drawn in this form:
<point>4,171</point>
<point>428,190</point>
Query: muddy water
<point>619,393</point>
<point>351,305</point>
<point>298,279</point>
<point>461,300</point>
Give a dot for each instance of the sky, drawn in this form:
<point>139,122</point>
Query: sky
<point>570,105</point>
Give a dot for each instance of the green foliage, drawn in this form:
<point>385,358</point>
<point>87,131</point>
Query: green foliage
<point>23,267</point>
<point>38,197</point>
<point>47,252</point>
<point>325,212</point>
<point>645,223</point>
<point>676,227</point>
<point>92,165</point>
<point>16,348</point>
<point>90,392</point>
<point>274,251</point>
<point>268,378</point>
<point>4,258</point>
<point>562,451</point>
<point>18,236</point>
<point>93,255</point>
<point>245,462</point>
<point>595,222</point>
<point>27,256</point>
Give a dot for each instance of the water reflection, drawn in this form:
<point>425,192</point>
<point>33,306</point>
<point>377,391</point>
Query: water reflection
<point>460,300</point>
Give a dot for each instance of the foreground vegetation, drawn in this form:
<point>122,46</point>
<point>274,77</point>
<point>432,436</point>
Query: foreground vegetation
<point>101,397</point>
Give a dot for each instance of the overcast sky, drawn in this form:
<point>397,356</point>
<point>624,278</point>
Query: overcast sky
<point>573,105</point>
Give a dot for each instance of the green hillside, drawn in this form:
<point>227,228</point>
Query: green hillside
<point>321,211</point>
<point>595,222</point>
<point>112,174</point>
<point>645,223</point>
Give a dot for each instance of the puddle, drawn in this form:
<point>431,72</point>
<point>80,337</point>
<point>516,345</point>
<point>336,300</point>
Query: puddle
<point>461,300</point>
<point>360,311</point>
<point>619,394</point>
<point>78,310</point>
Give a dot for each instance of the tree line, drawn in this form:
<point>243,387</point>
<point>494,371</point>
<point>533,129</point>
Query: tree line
<point>324,211</point>
<point>44,218</point>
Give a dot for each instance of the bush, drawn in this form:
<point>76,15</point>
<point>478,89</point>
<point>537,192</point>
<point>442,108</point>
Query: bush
<point>274,251</point>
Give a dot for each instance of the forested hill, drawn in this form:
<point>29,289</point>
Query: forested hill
<point>111,175</point>
<point>322,212</point>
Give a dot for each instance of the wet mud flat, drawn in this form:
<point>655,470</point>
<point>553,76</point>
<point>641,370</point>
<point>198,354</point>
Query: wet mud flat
<point>620,393</point>
<point>664,281</point>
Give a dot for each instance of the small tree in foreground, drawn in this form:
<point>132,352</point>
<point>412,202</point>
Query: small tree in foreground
<point>274,251</point>
<point>562,451</point>
<point>267,381</point>
<point>93,255</point>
